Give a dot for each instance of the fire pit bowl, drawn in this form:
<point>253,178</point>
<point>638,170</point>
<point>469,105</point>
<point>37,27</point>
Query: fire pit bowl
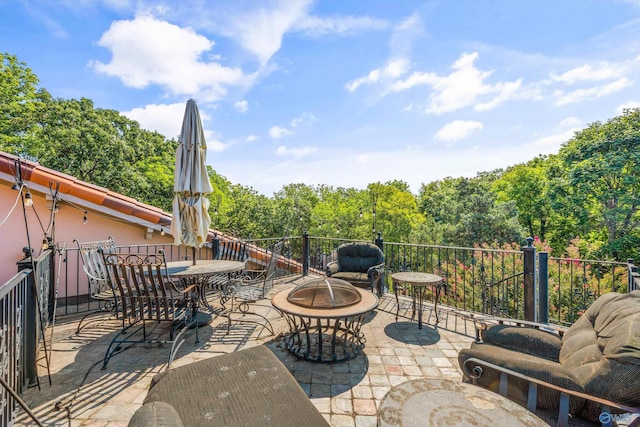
<point>325,293</point>
<point>325,316</point>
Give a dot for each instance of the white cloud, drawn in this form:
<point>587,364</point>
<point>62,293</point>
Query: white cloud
<point>295,151</point>
<point>595,92</point>
<point>166,119</point>
<point>627,105</point>
<point>260,29</point>
<point>251,138</point>
<point>569,122</point>
<point>242,106</point>
<point>457,130</point>
<point>213,143</point>
<point>307,119</point>
<point>551,144</point>
<point>506,91</point>
<point>163,118</point>
<point>147,51</point>
<point>392,70</point>
<point>603,71</point>
<point>316,26</point>
<point>398,63</point>
<point>277,132</point>
<point>461,88</point>
<point>404,35</point>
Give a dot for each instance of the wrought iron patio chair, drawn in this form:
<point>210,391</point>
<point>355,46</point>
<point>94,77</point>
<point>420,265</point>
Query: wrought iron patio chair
<point>230,250</point>
<point>99,289</point>
<point>145,295</point>
<point>253,286</point>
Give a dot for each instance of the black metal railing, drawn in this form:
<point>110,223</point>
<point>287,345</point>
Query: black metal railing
<point>479,279</point>
<point>24,315</point>
<point>573,284</point>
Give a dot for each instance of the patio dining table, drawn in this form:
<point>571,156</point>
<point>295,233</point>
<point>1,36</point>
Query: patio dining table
<point>199,274</point>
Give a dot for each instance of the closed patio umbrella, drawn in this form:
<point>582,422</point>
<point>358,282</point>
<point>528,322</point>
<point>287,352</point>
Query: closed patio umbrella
<point>190,223</point>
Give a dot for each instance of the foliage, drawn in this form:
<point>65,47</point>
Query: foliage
<point>602,169</point>
<point>466,211</point>
<point>21,103</point>
<point>527,187</point>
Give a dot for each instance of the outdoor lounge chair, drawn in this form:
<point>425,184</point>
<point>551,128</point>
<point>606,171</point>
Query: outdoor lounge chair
<point>93,266</point>
<point>590,368</point>
<point>361,264</point>
<point>146,297</point>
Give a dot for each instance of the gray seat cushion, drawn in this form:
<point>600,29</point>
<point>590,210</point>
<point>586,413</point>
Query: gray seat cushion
<point>353,277</point>
<point>249,387</point>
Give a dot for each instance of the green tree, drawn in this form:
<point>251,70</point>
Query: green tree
<point>21,104</point>
<point>103,147</point>
<point>602,171</point>
<point>396,210</point>
<point>527,186</point>
<point>466,212</point>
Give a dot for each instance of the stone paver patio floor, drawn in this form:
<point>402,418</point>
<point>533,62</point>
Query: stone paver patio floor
<point>346,393</point>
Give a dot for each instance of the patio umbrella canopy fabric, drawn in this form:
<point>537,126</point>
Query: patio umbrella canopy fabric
<point>190,224</point>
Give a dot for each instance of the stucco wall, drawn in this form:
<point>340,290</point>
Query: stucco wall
<point>69,225</point>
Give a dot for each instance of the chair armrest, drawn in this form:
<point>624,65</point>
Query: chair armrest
<point>376,270</point>
<point>482,323</point>
<point>180,289</point>
<point>332,268</point>
<point>473,368</point>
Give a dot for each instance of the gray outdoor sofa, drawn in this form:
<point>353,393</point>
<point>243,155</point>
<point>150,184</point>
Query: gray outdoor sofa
<point>592,367</point>
<point>249,387</point>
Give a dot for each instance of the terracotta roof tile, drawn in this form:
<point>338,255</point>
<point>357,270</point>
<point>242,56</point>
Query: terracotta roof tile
<point>34,173</point>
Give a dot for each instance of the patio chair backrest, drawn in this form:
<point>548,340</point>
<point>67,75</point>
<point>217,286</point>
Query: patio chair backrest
<point>230,250</point>
<point>273,264</point>
<point>93,263</point>
<point>140,285</point>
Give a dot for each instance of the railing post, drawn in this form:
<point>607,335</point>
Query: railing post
<point>32,326</point>
<point>529,281</point>
<point>305,253</point>
<point>543,287</point>
<point>52,282</point>
<point>379,241</point>
<point>215,247</point>
<point>630,276</point>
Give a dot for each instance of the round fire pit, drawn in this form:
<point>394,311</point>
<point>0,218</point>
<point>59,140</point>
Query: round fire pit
<point>325,316</point>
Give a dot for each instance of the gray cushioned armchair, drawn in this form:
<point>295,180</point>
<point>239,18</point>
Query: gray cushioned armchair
<point>359,263</point>
<point>597,359</point>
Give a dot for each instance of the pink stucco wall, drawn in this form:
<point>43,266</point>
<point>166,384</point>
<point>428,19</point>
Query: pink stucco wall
<point>69,225</point>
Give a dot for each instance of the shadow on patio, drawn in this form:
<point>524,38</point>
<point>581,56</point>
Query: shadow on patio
<point>347,393</point>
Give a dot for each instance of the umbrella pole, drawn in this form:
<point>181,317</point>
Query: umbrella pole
<point>193,248</point>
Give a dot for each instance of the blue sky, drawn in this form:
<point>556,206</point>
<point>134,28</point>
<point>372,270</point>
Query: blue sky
<point>342,93</point>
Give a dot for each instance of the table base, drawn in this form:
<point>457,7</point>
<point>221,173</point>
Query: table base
<point>325,340</point>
